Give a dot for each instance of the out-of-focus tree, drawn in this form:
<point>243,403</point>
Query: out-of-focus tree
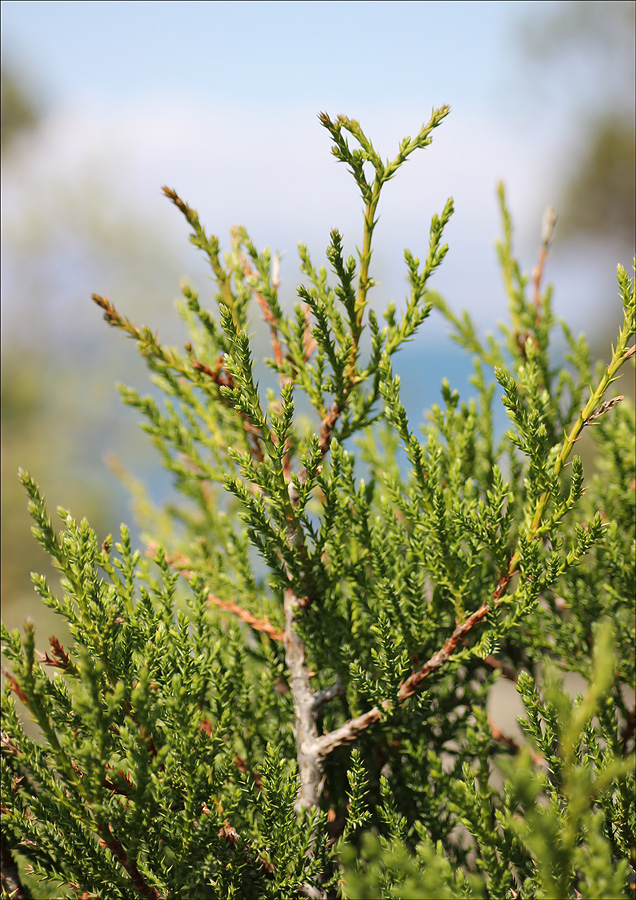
<point>582,60</point>
<point>587,50</point>
<point>598,199</point>
<point>20,396</point>
<point>64,236</point>
<point>18,110</point>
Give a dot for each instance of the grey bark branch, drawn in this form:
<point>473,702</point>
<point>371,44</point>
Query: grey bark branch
<point>323,697</point>
<point>309,768</point>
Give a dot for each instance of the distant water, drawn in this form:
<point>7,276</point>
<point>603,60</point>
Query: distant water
<point>422,366</point>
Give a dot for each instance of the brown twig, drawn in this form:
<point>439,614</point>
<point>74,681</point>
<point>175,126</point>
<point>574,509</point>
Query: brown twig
<point>119,852</point>
<point>499,737</point>
<point>262,625</point>
<point>15,687</point>
<point>182,563</point>
<point>309,342</point>
<point>506,670</point>
<point>60,659</point>
<point>603,408</point>
<point>220,376</point>
<point>328,424</point>
<point>511,744</point>
<point>351,730</point>
<point>547,230</point>
<point>413,682</point>
<point>250,272</point>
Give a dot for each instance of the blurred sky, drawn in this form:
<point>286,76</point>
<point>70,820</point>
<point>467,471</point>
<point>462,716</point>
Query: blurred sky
<point>219,100</point>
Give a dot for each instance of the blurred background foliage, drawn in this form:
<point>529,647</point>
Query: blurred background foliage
<point>20,110</point>
<point>581,58</point>
<point>58,419</point>
<point>61,413</point>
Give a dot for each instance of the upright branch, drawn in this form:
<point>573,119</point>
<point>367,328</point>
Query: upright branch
<point>370,192</point>
<point>307,740</point>
<point>595,407</point>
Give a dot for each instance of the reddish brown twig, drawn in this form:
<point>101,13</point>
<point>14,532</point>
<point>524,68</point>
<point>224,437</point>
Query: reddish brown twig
<point>506,670</point>
<point>413,682</point>
<point>547,230</point>
<point>603,408</point>
<point>502,738</point>
<point>15,687</point>
<point>328,424</point>
<point>250,272</point>
<point>512,745</point>
<point>181,563</point>
<point>60,658</point>
<point>119,852</point>
<point>221,377</point>
<point>351,730</point>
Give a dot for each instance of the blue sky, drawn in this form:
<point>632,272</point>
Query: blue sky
<point>286,54</point>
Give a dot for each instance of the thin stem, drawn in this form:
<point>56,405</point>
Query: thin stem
<point>365,256</point>
<point>547,230</point>
<point>621,355</point>
<point>182,565</point>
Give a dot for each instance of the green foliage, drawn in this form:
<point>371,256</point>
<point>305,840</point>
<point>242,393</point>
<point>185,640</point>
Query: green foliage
<point>308,716</point>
